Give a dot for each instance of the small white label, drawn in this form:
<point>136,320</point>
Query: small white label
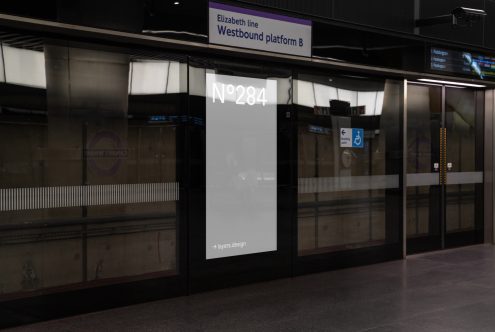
<point>346,137</point>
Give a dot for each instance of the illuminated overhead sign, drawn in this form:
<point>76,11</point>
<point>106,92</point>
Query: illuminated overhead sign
<point>462,62</point>
<point>242,27</point>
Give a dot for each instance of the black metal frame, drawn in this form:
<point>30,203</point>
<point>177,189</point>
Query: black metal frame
<point>477,235</point>
<point>66,300</point>
<point>437,198</point>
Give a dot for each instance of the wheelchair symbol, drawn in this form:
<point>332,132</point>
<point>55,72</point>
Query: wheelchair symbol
<point>358,139</point>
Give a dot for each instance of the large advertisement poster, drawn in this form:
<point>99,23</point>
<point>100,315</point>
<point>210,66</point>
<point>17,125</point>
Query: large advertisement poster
<point>241,165</point>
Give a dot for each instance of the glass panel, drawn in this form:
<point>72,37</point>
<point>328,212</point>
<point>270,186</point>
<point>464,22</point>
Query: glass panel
<point>460,124</point>
<point>88,165</point>
<point>424,116</point>
<point>348,196</point>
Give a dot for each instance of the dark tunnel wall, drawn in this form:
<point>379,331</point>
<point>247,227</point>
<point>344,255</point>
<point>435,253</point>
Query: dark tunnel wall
<point>400,15</point>
<point>190,15</point>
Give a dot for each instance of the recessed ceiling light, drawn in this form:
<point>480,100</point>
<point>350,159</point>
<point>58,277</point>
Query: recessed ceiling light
<point>176,3</point>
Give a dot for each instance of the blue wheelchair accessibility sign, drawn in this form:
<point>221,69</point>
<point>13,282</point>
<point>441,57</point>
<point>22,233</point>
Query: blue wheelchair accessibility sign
<point>357,137</point>
<point>351,138</point>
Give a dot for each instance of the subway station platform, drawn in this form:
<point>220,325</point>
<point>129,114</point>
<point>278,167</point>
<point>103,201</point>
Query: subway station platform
<point>452,290</point>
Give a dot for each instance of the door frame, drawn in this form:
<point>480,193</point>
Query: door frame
<point>477,235</point>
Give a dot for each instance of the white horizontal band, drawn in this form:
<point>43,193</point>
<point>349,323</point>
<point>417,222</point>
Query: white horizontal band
<point>432,179</point>
<point>464,177</point>
<point>422,179</point>
<point>14,199</point>
<point>347,183</point>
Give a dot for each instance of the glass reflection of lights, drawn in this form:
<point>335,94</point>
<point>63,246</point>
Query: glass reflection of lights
<point>26,67</point>
<point>314,94</point>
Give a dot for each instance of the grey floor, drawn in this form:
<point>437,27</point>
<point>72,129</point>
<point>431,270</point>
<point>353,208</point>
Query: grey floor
<point>442,291</point>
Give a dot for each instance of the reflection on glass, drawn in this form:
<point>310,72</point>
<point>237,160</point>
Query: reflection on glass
<point>460,111</point>
<point>316,94</point>
<point>433,219</point>
<point>88,166</point>
<point>156,77</point>
<point>347,194</point>
<point>423,124</point>
<point>23,66</point>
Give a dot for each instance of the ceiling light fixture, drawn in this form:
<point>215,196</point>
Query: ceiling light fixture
<point>433,84</point>
<point>452,83</point>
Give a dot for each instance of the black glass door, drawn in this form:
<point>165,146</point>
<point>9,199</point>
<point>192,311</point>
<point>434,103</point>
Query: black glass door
<point>464,169</point>
<point>444,170</point>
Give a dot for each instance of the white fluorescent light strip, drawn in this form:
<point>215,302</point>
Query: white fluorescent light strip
<point>432,84</point>
<point>474,10</point>
<point>455,86</point>
<point>423,83</point>
<point>452,83</point>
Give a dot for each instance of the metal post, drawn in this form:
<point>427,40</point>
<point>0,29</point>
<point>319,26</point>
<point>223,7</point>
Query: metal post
<point>443,166</point>
<point>404,173</point>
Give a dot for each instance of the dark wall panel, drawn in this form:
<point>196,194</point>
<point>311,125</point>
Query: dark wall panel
<point>470,35</point>
<point>190,16</point>
<point>46,9</point>
<point>490,24</point>
<point>398,15</point>
<point>125,15</point>
<point>321,8</point>
<point>388,14</point>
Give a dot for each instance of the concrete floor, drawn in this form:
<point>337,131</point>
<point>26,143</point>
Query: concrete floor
<point>450,290</point>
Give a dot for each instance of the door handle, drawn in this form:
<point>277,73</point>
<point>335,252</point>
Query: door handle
<point>443,156</point>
